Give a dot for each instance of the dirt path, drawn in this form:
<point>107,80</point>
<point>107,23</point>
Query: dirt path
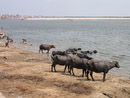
<point>24,74</point>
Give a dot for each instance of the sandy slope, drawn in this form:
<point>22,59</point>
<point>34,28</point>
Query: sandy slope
<point>24,74</point>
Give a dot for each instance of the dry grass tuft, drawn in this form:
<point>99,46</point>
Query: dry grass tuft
<point>77,88</point>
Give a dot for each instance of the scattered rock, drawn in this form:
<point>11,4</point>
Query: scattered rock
<point>5,57</point>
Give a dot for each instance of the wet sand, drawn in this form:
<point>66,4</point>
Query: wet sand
<point>24,74</point>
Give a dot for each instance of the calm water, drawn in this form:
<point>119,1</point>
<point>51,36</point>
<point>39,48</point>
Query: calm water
<point>111,38</point>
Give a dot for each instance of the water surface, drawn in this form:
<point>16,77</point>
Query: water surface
<point>111,38</point>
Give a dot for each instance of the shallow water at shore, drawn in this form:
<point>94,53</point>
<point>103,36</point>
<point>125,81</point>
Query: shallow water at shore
<point>111,38</point>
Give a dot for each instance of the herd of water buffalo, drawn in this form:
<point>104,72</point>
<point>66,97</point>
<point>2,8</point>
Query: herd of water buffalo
<point>76,58</point>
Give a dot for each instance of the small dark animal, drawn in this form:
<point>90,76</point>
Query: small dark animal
<point>61,60</point>
<point>9,39</point>
<point>45,47</point>
<point>100,66</point>
<point>7,43</point>
<point>24,40</point>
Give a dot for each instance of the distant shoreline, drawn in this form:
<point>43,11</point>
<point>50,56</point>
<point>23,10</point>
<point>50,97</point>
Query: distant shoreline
<point>77,19</point>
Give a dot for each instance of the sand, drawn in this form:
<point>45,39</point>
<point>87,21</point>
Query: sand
<point>24,74</point>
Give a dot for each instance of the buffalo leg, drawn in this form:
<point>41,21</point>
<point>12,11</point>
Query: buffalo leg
<point>91,74</point>
<point>104,75</point>
<point>68,68</point>
<point>54,67</point>
<point>65,68</point>
<point>83,72</point>
<point>87,75</point>
<point>72,71</point>
<point>42,51</point>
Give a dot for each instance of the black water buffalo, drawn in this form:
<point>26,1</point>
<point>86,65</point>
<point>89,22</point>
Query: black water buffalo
<point>89,52</point>
<point>63,60</point>
<point>82,55</point>
<point>45,47</point>
<point>72,50</point>
<point>59,53</point>
<point>79,63</point>
<point>100,66</point>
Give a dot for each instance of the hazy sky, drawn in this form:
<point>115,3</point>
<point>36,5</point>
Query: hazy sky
<point>66,7</point>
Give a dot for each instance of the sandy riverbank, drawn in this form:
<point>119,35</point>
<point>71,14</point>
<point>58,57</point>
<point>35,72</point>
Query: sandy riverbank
<point>25,74</point>
<point>77,19</point>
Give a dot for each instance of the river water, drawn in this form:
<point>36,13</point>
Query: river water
<point>111,38</point>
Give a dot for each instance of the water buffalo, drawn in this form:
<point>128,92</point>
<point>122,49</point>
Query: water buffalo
<point>89,52</point>
<point>82,55</point>
<point>100,66</point>
<point>79,63</point>
<point>63,60</point>
<point>59,53</point>
<point>45,47</point>
<point>73,50</point>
